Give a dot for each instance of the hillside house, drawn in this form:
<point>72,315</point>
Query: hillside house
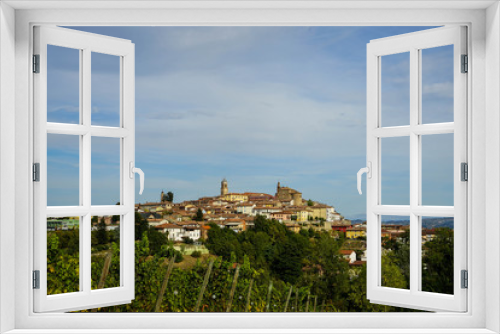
<point>245,208</point>
<point>355,232</point>
<point>348,255</point>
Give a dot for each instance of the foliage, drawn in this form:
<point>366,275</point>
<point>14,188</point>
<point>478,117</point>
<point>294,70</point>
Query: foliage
<point>168,197</point>
<point>437,262</point>
<point>198,216</point>
<point>187,240</point>
<point>102,235</point>
<point>141,226</point>
<point>271,257</point>
<point>399,254</point>
<point>196,254</point>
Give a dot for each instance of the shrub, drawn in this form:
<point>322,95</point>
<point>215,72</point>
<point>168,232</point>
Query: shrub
<point>179,257</point>
<point>196,254</point>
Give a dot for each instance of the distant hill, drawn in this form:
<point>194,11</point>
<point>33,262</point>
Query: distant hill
<point>427,222</point>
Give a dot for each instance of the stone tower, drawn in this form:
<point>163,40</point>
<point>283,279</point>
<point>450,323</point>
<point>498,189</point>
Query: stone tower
<point>223,187</point>
<point>161,196</point>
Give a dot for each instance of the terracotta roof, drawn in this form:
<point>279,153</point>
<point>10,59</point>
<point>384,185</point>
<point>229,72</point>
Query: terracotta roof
<point>234,220</point>
<point>346,252</point>
<point>168,226</point>
<point>357,263</point>
<point>356,229</point>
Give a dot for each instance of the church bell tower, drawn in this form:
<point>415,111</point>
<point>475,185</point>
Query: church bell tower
<point>223,187</point>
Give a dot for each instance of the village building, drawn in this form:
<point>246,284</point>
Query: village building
<point>259,197</point>
<point>348,255</point>
<point>288,195</point>
<point>341,226</point>
<point>177,233</point>
<point>265,211</point>
<point>282,216</point>
<point>355,232</point>
<point>235,224</point>
<point>294,227</point>
<point>245,208</point>
<point>235,197</point>
<point>300,213</point>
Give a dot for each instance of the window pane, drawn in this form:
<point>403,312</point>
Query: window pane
<point>63,255</point>
<point>395,170</point>
<point>437,169</point>
<point>105,252</point>
<point>105,89</point>
<point>437,84</point>
<point>395,89</point>
<point>63,170</point>
<point>105,171</point>
<point>437,254</point>
<point>63,85</point>
<point>395,251</point>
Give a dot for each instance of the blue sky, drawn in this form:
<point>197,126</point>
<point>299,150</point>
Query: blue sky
<point>255,105</point>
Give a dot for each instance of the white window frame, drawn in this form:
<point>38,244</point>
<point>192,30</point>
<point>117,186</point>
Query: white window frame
<point>86,44</point>
<point>483,20</point>
<point>414,43</point>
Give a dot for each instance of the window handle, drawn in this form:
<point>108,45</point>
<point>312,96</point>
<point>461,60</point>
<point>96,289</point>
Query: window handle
<point>139,171</point>
<point>368,171</point>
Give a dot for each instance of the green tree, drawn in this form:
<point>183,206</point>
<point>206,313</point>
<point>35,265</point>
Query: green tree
<point>102,234</point>
<point>329,271</point>
<point>288,264</point>
<point>168,197</point>
<point>198,216</point>
<point>437,262</point>
<point>141,226</point>
<point>392,276</point>
<point>187,240</point>
<point>310,202</point>
<point>400,252</point>
<point>156,241</point>
<point>69,240</point>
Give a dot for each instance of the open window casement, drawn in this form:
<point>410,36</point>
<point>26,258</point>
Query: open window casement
<point>419,133</point>
<point>73,286</point>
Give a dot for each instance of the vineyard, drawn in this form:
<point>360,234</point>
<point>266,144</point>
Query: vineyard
<point>167,281</point>
<point>228,287</point>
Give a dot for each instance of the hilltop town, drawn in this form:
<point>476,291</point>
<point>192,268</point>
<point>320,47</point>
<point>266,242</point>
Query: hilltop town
<point>281,243</point>
<point>190,221</point>
<point>237,211</point>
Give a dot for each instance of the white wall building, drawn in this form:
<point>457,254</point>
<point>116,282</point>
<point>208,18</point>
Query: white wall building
<point>245,208</point>
<point>177,233</point>
<point>332,215</point>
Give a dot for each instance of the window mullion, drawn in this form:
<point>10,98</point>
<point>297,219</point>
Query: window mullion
<point>85,179</point>
<point>415,170</point>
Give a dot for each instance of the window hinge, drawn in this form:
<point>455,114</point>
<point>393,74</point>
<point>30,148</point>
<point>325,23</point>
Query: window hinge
<point>465,64</point>
<point>36,63</point>
<point>464,171</point>
<point>465,279</point>
<point>36,172</point>
<point>36,279</point>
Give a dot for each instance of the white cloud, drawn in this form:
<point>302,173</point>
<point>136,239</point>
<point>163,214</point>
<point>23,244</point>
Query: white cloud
<point>438,89</point>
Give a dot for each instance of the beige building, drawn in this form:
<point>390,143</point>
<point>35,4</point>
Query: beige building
<point>289,195</point>
<point>245,208</point>
<point>223,187</point>
<point>235,197</point>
